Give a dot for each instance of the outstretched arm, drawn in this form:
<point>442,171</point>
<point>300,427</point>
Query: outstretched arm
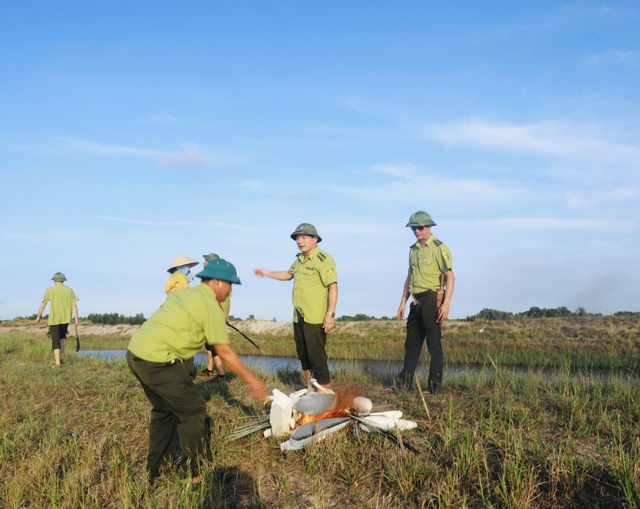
<point>235,365</point>
<point>280,275</point>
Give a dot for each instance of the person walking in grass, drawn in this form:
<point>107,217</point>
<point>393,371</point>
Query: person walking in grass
<point>63,307</point>
<point>179,270</point>
<point>160,355</point>
<point>430,272</point>
<point>315,296</point>
<point>213,360</point>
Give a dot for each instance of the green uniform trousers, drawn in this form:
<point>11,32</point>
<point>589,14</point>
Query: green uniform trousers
<point>311,341</point>
<point>178,412</point>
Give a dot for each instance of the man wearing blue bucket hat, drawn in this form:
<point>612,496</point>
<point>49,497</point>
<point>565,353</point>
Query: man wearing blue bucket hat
<point>160,355</point>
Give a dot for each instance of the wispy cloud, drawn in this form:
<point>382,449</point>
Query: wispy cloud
<point>630,59</point>
<point>161,118</point>
<point>599,197</point>
<point>547,139</point>
<point>148,222</point>
<point>189,155</point>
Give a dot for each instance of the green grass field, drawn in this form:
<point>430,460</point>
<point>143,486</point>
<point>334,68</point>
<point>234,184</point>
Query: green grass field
<point>77,436</point>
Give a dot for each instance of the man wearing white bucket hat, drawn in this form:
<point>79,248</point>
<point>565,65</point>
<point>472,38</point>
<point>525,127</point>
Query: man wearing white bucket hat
<point>63,305</point>
<point>179,270</point>
<point>160,355</point>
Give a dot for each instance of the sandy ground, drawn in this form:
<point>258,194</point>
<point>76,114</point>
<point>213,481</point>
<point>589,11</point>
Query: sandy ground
<point>246,326</point>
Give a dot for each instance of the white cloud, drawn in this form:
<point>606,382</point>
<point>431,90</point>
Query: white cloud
<point>188,156</point>
<point>546,139</point>
<point>162,118</point>
<point>599,197</point>
<point>172,223</point>
<point>630,59</point>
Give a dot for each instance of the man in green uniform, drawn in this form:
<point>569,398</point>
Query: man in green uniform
<point>63,305</point>
<point>160,355</point>
<point>315,296</point>
<point>429,258</point>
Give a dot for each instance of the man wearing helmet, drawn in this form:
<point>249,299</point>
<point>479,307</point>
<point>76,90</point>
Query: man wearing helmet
<point>315,296</point>
<point>63,305</point>
<point>430,272</point>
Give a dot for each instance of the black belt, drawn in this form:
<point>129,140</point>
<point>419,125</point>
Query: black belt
<point>422,295</point>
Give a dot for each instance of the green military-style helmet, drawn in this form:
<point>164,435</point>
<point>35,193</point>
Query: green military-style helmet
<point>58,277</point>
<point>306,229</point>
<point>420,218</point>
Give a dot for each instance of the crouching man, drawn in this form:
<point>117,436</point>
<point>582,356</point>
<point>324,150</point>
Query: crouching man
<point>160,355</point>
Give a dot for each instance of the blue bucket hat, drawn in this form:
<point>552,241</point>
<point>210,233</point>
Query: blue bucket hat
<point>220,269</point>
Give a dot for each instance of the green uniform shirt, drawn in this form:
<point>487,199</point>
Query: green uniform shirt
<point>179,329</point>
<point>61,299</point>
<point>311,279</point>
<point>426,263</point>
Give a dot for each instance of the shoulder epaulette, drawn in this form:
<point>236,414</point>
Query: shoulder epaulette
<point>437,242</point>
<point>322,257</point>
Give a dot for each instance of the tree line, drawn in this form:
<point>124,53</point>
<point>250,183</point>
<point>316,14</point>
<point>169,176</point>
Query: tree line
<point>486,314</point>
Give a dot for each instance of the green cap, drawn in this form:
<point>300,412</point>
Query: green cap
<point>58,276</point>
<point>211,256</point>
<point>420,218</point>
<point>220,269</point>
<point>306,229</point>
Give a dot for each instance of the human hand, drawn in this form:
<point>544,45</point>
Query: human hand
<point>400,314</point>
<point>329,323</point>
<point>443,313</point>
<point>260,272</point>
<point>259,391</point>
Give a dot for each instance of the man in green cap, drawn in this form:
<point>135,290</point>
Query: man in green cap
<point>160,355</point>
<point>315,296</point>
<point>430,273</point>
<point>63,306</point>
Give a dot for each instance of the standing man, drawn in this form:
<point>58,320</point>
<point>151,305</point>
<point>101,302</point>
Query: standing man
<point>160,355</point>
<point>63,305</point>
<point>430,272</point>
<point>315,296</point>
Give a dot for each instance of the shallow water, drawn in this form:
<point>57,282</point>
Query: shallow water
<point>272,365</point>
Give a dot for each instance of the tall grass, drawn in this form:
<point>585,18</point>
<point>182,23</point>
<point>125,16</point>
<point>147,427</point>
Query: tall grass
<point>77,437</point>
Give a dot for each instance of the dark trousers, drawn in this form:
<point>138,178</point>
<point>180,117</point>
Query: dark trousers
<point>178,412</point>
<point>58,333</point>
<point>311,341</point>
<point>421,326</point>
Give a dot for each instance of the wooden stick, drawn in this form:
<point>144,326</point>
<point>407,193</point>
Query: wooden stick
<point>422,396</point>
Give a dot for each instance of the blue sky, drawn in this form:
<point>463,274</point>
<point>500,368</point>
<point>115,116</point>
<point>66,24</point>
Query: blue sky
<point>132,131</point>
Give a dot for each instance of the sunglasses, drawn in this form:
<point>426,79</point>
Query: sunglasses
<point>418,228</point>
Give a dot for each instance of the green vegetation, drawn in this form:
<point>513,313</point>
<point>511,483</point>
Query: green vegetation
<point>76,437</point>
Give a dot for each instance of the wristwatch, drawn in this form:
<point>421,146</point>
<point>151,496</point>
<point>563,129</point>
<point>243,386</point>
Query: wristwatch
<point>332,315</point>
